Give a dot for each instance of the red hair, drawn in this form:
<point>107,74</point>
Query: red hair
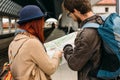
<point>35,27</point>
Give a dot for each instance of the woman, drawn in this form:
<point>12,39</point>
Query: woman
<point>27,55</point>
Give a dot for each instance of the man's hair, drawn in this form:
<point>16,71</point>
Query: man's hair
<point>83,6</point>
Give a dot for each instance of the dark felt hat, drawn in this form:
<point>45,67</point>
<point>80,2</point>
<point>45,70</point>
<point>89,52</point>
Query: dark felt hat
<point>29,12</point>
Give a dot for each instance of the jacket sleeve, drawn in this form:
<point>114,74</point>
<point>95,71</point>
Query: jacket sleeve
<point>41,59</point>
<point>82,52</point>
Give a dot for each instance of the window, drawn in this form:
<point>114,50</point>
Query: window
<point>106,9</point>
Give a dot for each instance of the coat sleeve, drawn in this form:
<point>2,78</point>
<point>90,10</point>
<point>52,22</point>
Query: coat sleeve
<point>82,52</point>
<point>41,59</point>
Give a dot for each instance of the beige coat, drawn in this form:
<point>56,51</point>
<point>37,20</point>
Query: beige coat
<point>31,62</point>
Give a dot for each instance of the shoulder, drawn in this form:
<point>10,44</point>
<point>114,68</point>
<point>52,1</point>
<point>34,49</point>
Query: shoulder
<point>90,31</point>
<point>87,32</point>
<point>30,42</point>
<point>34,42</point>
<point>87,35</point>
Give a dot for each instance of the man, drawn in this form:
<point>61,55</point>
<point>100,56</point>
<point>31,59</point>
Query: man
<point>85,56</point>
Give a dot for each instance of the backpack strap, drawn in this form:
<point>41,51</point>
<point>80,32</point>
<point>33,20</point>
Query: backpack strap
<point>17,52</point>
<point>94,22</point>
<point>91,25</point>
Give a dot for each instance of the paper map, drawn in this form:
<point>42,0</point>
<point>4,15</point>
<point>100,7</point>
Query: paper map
<point>59,43</point>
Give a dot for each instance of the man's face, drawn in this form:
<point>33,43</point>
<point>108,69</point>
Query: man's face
<point>74,16</point>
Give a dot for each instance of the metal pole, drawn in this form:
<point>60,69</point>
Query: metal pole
<point>15,24</point>
<point>118,6</point>
<point>1,25</point>
<point>10,25</point>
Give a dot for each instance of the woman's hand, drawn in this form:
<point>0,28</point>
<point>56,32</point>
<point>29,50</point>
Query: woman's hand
<point>59,53</point>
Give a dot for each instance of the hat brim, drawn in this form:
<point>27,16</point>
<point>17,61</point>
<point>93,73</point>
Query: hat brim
<point>29,19</point>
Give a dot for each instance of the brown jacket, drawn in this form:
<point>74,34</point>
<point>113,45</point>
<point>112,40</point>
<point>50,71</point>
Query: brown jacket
<point>31,62</point>
<point>85,57</point>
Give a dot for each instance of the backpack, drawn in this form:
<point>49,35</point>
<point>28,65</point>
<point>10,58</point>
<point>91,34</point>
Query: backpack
<point>109,32</point>
<point>6,73</point>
